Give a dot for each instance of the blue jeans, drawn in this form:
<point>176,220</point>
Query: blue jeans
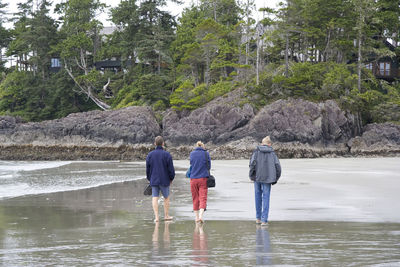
<point>262,192</point>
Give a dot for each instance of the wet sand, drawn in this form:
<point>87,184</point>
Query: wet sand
<point>324,212</point>
<point>344,189</point>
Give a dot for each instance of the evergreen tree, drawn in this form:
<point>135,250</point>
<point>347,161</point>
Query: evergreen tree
<point>42,36</point>
<point>122,42</point>
<point>185,48</point>
<point>20,46</point>
<point>155,34</point>
<point>77,49</point>
<point>4,35</point>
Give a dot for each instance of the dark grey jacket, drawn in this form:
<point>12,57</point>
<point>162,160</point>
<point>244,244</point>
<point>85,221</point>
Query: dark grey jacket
<point>264,165</point>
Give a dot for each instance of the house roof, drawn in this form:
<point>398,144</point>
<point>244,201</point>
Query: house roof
<point>108,30</point>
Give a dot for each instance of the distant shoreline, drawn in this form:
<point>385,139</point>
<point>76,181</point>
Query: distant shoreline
<point>181,152</point>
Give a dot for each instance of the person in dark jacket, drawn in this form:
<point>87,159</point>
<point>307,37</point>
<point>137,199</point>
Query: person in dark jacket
<point>200,163</point>
<point>160,172</point>
<point>265,170</point>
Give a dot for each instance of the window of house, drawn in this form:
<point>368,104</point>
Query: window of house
<point>384,68</point>
<point>55,63</point>
<point>368,66</point>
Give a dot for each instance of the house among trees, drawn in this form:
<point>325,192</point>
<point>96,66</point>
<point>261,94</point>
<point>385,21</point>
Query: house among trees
<point>386,68</point>
<point>55,65</point>
<point>102,65</point>
<point>111,65</point>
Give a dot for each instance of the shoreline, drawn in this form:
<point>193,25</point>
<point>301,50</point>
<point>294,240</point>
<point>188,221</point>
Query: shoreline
<point>310,190</point>
<point>181,152</point>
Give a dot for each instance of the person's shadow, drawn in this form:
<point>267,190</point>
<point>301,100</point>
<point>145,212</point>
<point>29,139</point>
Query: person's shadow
<point>199,245</point>
<point>263,247</point>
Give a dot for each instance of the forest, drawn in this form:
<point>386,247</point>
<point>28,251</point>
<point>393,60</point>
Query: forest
<point>65,61</point>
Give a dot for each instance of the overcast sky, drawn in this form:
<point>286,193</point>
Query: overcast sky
<point>173,8</point>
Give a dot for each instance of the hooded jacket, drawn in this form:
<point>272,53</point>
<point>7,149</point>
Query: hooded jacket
<point>264,165</point>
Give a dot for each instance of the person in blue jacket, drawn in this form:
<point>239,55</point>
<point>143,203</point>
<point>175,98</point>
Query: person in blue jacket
<point>265,170</point>
<point>160,172</point>
<point>200,163</point>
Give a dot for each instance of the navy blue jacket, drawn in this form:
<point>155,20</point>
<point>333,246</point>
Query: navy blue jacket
<point>198,163</point>
<point>159,167</point>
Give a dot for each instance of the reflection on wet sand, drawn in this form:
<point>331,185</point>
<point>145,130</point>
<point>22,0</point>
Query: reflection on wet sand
<point>158,250</point>
<point>199,245</point>
<point>263,246</point>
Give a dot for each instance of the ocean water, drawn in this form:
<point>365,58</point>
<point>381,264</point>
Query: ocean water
<point>324,212</point>
<point>19,178</point>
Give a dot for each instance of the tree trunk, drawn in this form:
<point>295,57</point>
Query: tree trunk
<point>159,64</point>
<point>215,10</point>
<point>287,56</point>
<point>207,70</point>
<point>359,60</point>
<point>258,61</point>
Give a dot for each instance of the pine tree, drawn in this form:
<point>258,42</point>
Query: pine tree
<point>4,35</point>
<point>77,50</point>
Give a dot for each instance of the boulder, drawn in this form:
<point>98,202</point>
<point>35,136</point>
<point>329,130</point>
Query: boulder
<point>377,139</point>
<point>212,123</point>
<point>297,120</point>
<point>8,122</point>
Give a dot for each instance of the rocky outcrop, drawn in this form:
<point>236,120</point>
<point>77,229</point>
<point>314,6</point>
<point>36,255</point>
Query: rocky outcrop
<point>133,125</point>
<point>300,121</point>
<point>285,121</point>
<point>231,130</point>
<point>377,139</point>
<point>209,123</point>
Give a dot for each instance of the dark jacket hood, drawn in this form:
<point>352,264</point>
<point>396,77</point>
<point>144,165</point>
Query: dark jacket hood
<point>265,149</point>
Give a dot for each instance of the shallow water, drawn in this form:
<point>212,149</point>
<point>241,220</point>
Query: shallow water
<point>324,212</point>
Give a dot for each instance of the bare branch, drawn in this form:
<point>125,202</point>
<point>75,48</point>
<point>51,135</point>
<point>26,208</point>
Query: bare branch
<point>87,91</point>
<point>106,85</point>
<point>77,63</point>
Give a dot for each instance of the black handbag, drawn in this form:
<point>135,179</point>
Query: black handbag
<point>211,178</point>
<point>211,181</point>
<point>147,190</point>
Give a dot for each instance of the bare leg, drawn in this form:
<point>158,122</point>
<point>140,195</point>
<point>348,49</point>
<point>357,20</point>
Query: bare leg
<point>166,210</point>
<point>155,209</point>
<point>201,215</point>
<point>155,233</point>
<point>166,234</point>
<point>196,212</point>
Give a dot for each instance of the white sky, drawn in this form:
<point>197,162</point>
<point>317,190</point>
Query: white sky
<point>173,8</point>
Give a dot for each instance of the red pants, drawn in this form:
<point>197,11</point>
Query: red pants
<point>199,193</point>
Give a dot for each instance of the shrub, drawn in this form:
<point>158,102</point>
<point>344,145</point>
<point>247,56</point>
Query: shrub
<point>186,96</point>
<point>219,89</point>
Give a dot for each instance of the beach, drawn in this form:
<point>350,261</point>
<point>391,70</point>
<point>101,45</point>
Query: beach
<point>333,212</point>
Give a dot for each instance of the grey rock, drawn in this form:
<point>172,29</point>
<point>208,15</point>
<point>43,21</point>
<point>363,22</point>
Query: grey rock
<point>230,129</point>
<point>297,120</point>
<point>130,125</point>
<point>8,122</point>
<point>377,139</point>
<point>212,123</point>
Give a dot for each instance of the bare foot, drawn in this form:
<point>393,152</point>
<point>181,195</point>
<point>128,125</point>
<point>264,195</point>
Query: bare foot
<point>169,218</point>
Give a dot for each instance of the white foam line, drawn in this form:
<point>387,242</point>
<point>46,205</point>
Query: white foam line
<point>25,190</point>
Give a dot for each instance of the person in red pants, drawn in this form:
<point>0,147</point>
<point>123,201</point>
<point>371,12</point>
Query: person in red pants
<point>200,163</point>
